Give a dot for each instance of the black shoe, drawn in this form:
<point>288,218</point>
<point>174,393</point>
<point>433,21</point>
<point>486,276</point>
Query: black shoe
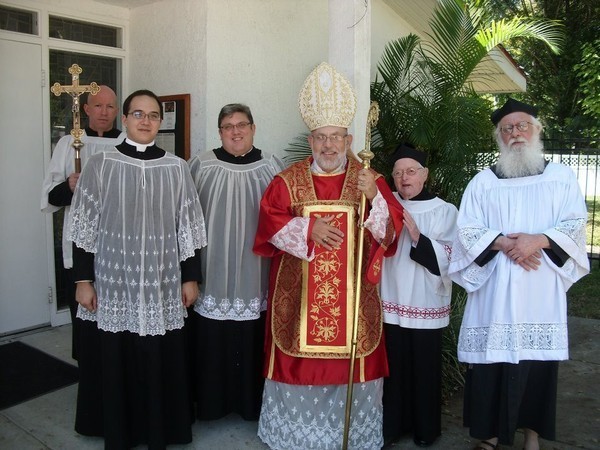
<point>422,442</point>
<point>389,441</point>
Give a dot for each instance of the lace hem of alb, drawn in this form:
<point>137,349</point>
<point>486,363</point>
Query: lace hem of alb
<point>226,309</point>
<point>513,338</point>
<point>297,429</point>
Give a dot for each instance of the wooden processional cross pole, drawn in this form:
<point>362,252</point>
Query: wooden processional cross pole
<point>75,90</point>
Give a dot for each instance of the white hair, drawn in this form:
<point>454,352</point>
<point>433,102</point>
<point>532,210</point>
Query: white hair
<point>522,160</point>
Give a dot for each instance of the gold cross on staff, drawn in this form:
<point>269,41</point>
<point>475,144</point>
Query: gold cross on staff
<point>75,90</point>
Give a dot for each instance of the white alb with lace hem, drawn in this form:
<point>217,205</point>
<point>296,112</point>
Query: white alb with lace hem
<point>312,417</point>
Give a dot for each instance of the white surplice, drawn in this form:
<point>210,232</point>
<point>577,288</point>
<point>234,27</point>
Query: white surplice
<point>412,296</point>
<point>513,314</point>
<point>61,166</point>
<point>141,218</point>
<point>235,280</point>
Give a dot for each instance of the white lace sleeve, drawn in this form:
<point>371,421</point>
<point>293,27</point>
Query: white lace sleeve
<point>469,244</point>
<point>86,206</point>
<point>293,238</point>
<point>191,230</point>
<point>569,230</point>
<point>570,236</point>
<point>378,217</point>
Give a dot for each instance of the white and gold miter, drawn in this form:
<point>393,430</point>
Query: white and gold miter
<point>326,99</point>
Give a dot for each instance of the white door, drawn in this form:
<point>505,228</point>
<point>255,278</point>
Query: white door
<point>23,247</point>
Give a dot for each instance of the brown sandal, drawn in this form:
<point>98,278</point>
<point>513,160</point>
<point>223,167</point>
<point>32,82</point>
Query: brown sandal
<point>489,445</point>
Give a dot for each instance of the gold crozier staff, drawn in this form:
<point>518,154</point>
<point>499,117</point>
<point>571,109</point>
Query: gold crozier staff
<point>75,90</point>
<point>366,155</point>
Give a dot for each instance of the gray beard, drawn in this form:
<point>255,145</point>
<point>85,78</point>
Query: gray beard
<point>523,162</point>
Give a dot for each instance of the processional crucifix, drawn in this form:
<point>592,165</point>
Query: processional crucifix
<point>75,90</point>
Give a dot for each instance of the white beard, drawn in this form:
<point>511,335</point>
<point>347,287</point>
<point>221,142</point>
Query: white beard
<point>520,158</point>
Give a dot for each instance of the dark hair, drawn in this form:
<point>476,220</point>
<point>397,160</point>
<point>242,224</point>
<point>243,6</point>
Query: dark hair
<point>140,93</point>
<point>233,108</point>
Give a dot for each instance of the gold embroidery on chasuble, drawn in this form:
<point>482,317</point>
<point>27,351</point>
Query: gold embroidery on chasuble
<point>313,301</point>
<point>328,287</point>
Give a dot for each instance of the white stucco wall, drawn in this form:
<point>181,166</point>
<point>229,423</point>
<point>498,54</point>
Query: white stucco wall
<point>386,26</point>
<point>256,52</point>
<point>259,53</point>
<point>167,47</point>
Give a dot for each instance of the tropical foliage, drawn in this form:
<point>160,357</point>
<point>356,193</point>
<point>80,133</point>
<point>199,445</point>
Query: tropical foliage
<point>588,74</point>
<point>426,94</point>
<point>559,84</point>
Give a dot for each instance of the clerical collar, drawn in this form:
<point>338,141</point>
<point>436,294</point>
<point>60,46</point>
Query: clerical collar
<point>139,147</point>
<point>112,133</point>
<point>423,195</point>
<point>249,157</point>
<point>314,168</point>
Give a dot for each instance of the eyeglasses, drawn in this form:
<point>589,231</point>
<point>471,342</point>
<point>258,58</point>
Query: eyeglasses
<point>521,126</point>
<point>242,126</point>
<point>140,115</point>
<point>334,138</point>
<point>411,172</point>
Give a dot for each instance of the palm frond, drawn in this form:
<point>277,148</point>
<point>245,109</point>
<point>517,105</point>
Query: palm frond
<point>550,32</point>
<point>298,149</point>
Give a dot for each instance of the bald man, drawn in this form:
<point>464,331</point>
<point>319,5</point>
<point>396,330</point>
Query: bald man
<point>59,183</point>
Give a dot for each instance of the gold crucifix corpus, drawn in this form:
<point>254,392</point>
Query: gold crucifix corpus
<point>75,90</point>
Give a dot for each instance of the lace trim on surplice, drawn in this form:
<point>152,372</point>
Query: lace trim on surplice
<point>226,309</point>
<point>514,337</point>
<point>86,223</point>
<point>467,238</point>
<point>191,234</point>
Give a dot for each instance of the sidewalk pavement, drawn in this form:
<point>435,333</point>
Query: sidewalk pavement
<point>46,422</point>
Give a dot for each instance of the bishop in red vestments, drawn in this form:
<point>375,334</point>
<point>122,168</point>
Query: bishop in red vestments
<point>308,225</point>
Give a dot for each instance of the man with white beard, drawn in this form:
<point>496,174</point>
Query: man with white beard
<point>520,246</point>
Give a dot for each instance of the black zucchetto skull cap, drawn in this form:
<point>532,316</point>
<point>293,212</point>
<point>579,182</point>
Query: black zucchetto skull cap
<point>512,106</point>
<point>406,150</point>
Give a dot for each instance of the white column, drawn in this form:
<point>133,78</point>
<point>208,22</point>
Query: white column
<point>350,53</point>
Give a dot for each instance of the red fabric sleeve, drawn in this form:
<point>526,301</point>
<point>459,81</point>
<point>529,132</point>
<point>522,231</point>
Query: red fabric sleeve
<point>396,214</point>
<point>389,244</point>
<point>274,214</point>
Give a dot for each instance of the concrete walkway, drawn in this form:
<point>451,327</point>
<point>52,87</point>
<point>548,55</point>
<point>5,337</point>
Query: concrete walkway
<point>47,422</point>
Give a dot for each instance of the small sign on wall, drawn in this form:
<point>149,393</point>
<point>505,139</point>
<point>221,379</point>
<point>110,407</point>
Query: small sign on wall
<point>174,133</point>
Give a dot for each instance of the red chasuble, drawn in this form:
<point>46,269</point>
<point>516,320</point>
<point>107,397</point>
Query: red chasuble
<point>309,319</point>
